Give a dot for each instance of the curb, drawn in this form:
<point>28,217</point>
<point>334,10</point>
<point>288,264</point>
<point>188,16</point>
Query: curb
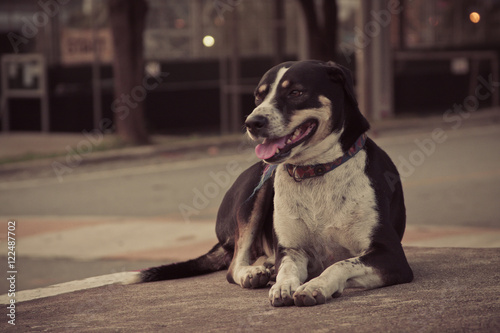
<point>203,144</point>
<point>71,286</point>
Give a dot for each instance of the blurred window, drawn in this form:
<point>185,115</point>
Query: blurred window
<point>451,24</point>
<point>177,29</point>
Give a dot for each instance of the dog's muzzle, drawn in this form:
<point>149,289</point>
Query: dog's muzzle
<point>277,148</point>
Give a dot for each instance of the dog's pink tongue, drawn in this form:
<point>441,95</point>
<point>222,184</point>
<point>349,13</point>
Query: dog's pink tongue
<point>267,149</point>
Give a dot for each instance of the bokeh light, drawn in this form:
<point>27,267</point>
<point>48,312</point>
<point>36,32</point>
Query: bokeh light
<point>208,41</point>
<point>474,17</point>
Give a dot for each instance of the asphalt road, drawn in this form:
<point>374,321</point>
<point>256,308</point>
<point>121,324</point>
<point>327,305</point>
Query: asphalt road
<point>151,187</point>
<point>450,177</point>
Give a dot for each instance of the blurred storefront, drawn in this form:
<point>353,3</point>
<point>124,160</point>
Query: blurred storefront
<point>188,41</point>
<point>212,53</point>
<point>443,50</point>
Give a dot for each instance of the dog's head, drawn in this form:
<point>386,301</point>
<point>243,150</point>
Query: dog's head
<point>304,109</point>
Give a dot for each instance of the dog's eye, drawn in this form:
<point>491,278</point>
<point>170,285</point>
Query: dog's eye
<point>295,93</point>
<point>258,99</point>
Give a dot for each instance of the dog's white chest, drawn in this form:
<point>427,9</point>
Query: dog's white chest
<point>325,214</point>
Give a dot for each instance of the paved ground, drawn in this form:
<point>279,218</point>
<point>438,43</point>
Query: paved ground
<point>456,289</point>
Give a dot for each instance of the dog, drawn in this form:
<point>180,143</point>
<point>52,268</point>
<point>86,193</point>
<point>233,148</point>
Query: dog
<point>324,209</point>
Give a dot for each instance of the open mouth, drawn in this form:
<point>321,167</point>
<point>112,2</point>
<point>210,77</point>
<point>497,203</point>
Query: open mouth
<point>272,150</point>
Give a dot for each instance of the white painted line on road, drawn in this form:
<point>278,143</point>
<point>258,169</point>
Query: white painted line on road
<point>68,287</point>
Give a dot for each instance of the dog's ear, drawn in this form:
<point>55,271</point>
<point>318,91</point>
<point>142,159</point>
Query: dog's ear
<point>355,123</point>
<point>343,76</point>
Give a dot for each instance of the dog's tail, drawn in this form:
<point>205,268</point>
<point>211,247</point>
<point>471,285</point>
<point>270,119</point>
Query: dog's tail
<point>215,260</point>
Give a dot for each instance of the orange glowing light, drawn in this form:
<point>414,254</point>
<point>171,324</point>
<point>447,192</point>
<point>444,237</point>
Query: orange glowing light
<point>474,17</point>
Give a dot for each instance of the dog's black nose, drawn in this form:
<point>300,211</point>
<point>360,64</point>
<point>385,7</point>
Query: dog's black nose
<point>256,123</point>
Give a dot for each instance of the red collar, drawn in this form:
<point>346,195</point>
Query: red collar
<point>301,172</point>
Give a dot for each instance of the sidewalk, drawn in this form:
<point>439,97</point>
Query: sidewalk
<point>454,290</point>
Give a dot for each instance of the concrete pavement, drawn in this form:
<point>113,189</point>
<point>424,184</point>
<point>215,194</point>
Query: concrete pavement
<point>456,289</point>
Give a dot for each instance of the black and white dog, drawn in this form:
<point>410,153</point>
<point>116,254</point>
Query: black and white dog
<point>321,209</point>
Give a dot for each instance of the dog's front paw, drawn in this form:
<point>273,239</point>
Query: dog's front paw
<point>281,293</point>
<point>309,294</point>
<point>307,297</point>
<point>254,277</point>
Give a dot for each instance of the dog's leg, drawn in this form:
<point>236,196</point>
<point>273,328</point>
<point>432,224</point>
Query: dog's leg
<point>265,261</point>
<point>250,229</point>
<point>244,273</point>
<point>292,272</point>
<point>332,282</point>
<point>382,266</point>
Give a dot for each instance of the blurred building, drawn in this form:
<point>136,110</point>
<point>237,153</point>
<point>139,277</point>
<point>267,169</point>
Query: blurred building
<point>210,55</point>
<point>440,48</point>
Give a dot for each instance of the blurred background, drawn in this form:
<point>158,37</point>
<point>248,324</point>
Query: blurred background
<point>409,57</point>
<point>121,120</point>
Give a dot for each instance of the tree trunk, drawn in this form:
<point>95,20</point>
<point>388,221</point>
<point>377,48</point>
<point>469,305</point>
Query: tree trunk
<point>330,11</point>
<point>127,18</point>
<point>322,39</point>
